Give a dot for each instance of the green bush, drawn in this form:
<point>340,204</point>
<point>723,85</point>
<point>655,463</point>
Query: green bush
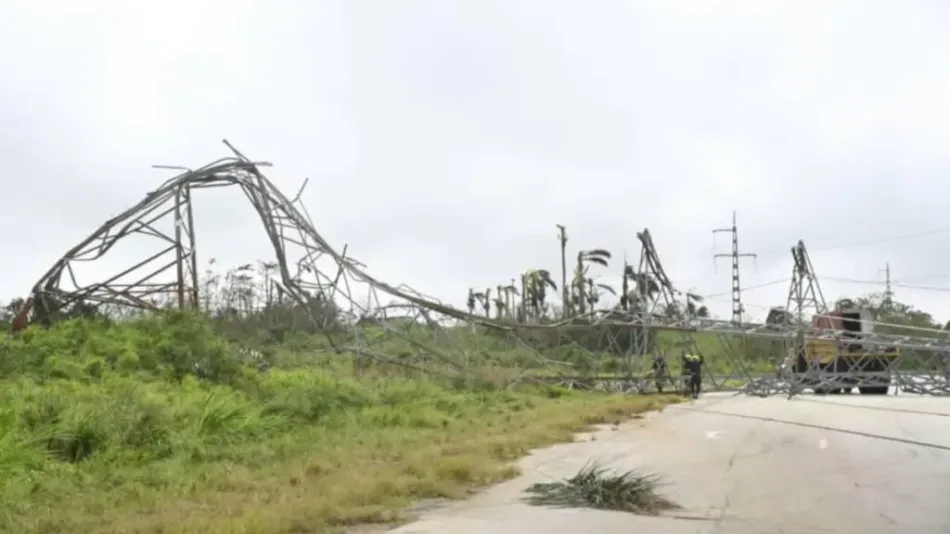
<point>172,345</point>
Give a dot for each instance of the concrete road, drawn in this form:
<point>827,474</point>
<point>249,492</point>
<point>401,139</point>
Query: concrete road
<point>745,465</point>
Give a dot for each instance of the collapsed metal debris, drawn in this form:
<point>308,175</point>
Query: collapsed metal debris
<point>371,319</point>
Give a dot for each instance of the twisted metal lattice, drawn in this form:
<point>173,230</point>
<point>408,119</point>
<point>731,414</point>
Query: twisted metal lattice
<point>369,320</point>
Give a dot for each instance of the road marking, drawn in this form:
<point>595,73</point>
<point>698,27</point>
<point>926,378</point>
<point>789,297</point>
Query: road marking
<point>823,443</point>
<point>713,434</point>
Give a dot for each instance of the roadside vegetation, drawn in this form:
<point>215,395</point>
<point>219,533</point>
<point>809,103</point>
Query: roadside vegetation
<point>160,424</point>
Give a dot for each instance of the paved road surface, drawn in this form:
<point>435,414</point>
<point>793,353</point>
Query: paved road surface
<point>745,465</point>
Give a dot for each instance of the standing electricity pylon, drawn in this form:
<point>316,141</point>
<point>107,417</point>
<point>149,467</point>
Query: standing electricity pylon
<point>737,308</point>
<point>888,291</point>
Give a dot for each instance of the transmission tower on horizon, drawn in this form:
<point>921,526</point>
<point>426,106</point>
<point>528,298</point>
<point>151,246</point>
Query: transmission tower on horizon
<point>888,290</point>
<point>737,308</point>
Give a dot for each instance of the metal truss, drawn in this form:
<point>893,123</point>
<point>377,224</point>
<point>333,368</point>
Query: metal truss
<point>876,362</point>
<point>330,294</point>
<point>755,358</point>
<point>165,216</point>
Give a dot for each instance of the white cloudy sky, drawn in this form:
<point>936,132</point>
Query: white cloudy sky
<point>444,140</point>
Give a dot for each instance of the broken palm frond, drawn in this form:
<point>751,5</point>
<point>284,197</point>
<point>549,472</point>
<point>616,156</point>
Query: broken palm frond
<point>595,487</point>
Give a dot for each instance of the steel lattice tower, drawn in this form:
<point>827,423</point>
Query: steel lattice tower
<point>737,308</point>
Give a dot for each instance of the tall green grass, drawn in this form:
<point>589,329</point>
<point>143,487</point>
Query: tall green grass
<point>159,425</point>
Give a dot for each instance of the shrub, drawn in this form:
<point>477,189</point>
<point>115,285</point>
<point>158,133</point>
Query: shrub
<point>173,345</point>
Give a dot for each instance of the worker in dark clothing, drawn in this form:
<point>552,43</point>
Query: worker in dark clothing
<point>661,372</point>
<point>693,369</point>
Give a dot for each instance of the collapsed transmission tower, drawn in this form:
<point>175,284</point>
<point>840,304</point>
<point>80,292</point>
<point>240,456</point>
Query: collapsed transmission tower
<point>804,292</point>
<point>369,320</point>
<point>321,282</point>
<point>363,317</point>
<point>839,350</point>
<point>144,284</point>
<point>658,298</point>
<point>664,312</point>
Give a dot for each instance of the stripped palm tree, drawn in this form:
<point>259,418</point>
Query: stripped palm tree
<point>476,299</point>
<point>501,301</point>
<point>535,285</point>
<point>625,286</point>
<point>594,291</point>
<point>505,300</point>
<point>472,301</point>
<point>484,298</point>
<point>511,295</point>
<point>523,307</point>
<point>644,290</point>
<point>586,258</point>
<point>695,307</point>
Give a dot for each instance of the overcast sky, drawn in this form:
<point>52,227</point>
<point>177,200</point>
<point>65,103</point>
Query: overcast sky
<point>444,140</point>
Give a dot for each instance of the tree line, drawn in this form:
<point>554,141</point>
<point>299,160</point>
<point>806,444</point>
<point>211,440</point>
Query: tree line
<point>248,301</point>
<point>526,298</point>
<point>243,302</point>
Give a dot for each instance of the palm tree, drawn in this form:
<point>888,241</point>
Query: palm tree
<point>501,303</point>
<point>505,300</point>
<point>695,306</point>
<point>625,286</point>
<point>594,290</point>
<point>562,239</point>
<point>644,289</point>
<point>480,298</point>
<point>535,283</point>
<point>511,297</point>
<point>523,308</point>
<point>585,258</point>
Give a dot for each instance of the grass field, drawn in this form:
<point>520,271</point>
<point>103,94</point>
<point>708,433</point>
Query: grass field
<point>156,426</point>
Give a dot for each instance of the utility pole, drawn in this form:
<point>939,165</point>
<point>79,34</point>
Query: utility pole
<point>562,238</point>
<point>735,255</point>
<point>888,292</point>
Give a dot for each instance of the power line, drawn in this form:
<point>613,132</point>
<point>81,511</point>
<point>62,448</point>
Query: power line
<point>849,244</point>
<point>900,237</point>
<point>747,289</point>
<point>929,277</point>
<point>880,283</point>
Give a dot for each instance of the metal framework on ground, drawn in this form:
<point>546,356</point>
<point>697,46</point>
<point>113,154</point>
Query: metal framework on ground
<point>330,294</point>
